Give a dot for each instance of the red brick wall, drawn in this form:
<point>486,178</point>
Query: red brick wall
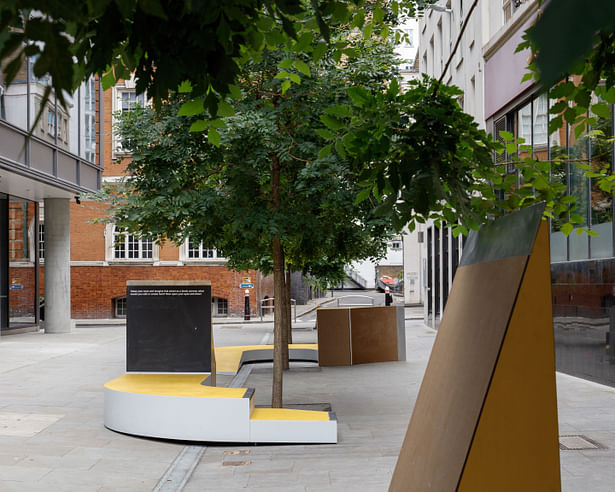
<point>21,301</point>
<point>94,288</point>
<point>87,240</point>
<point>267,286</point>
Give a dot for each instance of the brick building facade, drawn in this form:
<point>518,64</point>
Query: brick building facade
<point>102,259</point>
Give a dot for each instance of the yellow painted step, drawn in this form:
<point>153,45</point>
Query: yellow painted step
<point>288,414</point>
<point>172,385</point>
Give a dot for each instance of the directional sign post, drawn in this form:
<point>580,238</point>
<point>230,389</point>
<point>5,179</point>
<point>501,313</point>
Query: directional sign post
<point>246,286</point>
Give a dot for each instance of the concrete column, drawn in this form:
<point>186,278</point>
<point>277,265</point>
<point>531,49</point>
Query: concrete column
<point>57,265</point>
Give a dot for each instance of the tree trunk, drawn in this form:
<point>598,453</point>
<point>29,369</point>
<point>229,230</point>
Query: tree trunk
<point>289,307</point>
<point>279,274</point>
<point>284,302</point>
<point>278,320</point>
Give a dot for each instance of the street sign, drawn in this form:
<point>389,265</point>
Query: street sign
<point>246,286</point>
<point>246,280</point>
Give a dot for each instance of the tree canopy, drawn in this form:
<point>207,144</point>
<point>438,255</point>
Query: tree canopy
<point>167,43</point>
<point>261,190</point>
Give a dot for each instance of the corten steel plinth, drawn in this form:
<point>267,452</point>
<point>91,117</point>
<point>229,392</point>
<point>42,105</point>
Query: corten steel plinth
<point>485,418</point>
<point>360,335</point>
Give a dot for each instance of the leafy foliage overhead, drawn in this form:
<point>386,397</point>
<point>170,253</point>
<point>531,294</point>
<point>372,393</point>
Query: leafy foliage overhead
<point>568,33</point>
<point>169,44</point>
<point>220,187</point>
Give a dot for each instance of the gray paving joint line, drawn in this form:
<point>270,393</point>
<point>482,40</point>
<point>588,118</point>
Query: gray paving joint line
<point>180,471</point>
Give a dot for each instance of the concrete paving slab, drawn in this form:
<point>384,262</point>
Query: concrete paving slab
<point>58,379</point>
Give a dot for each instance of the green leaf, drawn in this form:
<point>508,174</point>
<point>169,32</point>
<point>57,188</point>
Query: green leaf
<point>350,52</point>
<point>303,68</point>
<point>558,107</point>
<point>225,109</point>
<point>511,148</point>
<point>506,136</point>
<point>363,195</point>
<point>567,228</point>
<point>564,89</point>
<point>340,110</point>
<point>609,96</point>
<point>274,38</point>
<point>153,7</point>
<point>286,64</point>
<point>578,22</point>
<point>199,126</point>
<point>359,95</point>
<point>214,137</point>
<point>108,80</point>
<point>339,148</point>
<point>184,87</point>
<point>378,15</point>
<point>295,78</point>
<point>303,42</point>
<point>602,110</point>
<point>555,124</point>
<point>324,133</point>
<point>235,92</point>
<point>393,89</point>
<point>285,86</point>
<point>331,122</point>
<point>325,151</point>
<point>191,108</point>
<point>319,51</point>
<point>282,75</point>
<point>217,124</point>
<point>570,115</point>
<point>579,130</point>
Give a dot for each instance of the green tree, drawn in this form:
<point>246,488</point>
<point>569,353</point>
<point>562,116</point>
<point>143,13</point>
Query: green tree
<point>167,43</point>
<point>261,189</point>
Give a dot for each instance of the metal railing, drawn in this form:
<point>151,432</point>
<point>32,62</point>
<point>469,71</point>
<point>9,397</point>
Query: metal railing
<point>293,305</point>
<point>358,279</point>
<point>371,300</point>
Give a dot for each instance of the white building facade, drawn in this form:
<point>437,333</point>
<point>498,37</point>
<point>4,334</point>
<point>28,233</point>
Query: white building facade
<point>440,31</point>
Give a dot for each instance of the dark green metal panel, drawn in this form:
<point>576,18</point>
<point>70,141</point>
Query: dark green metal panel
<point>508,236</point>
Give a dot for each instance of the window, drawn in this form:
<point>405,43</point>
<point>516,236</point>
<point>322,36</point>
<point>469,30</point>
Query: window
<point>219,306</point>
<point>51,121</point>
<point>409,38</point>
<point>125,99</point>
<point>541,120</point>
<point>89,114</point>
<point>119,305</point>
<point>41,241</point>
<point>510,7</point>
<point>129,247</point>
<point>578,152</point>
<point>196,251</point>
<point>396,245</point>
<point>129,100</point>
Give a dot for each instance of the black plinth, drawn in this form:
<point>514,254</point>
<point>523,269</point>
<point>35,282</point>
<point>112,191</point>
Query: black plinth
<point>168,326</point>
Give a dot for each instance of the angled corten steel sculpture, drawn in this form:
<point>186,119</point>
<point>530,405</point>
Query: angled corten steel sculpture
<point>485,418</point>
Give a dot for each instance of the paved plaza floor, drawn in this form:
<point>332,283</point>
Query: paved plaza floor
<point>52,436</point>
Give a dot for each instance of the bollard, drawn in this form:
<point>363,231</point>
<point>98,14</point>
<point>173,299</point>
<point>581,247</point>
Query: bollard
<point>388,298</point>
<point>246,310</point>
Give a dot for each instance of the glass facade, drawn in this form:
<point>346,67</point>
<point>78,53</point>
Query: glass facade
<point>582,266</point>
<point>19,219</point>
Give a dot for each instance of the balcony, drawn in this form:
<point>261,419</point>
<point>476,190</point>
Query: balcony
<point>44,162</point>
